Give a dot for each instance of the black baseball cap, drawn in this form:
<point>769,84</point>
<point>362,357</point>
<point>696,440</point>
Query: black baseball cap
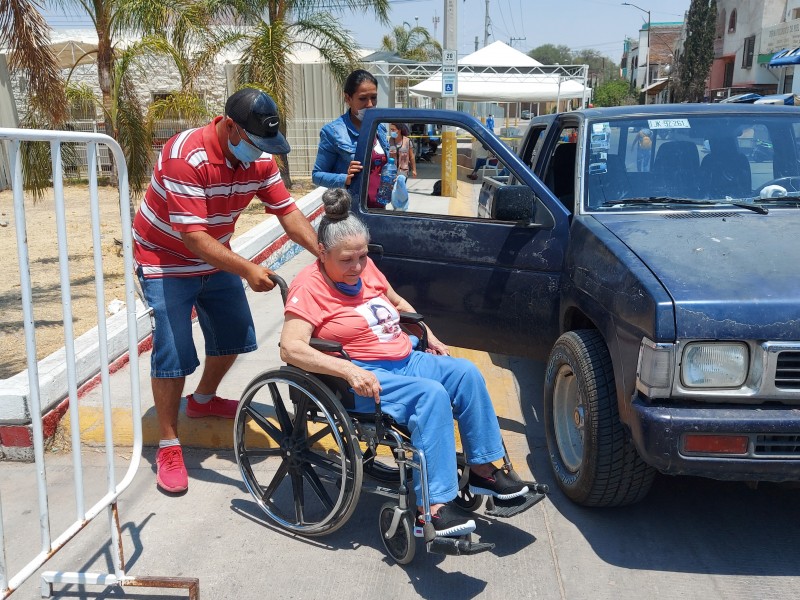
<point>256,113</point>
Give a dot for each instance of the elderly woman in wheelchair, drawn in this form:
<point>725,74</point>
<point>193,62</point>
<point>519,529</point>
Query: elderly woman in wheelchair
<point>354,376</point>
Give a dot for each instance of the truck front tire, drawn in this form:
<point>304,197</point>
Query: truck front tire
<point>594,462</point>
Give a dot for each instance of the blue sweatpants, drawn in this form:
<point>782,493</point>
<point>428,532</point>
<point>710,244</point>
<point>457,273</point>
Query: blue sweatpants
<point>424,392</point>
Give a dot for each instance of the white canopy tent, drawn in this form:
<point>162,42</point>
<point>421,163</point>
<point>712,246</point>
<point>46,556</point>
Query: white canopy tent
<point>499,73</point>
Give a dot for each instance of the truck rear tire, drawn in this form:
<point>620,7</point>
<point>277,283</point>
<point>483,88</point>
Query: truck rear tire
<point>594,462</point>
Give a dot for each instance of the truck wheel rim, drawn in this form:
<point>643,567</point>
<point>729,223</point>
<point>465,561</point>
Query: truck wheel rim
<point>568,418</point>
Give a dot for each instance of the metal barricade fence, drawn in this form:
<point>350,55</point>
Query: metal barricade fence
<point>49,546</point>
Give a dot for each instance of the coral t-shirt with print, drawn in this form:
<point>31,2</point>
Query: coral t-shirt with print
<point>367,324</point>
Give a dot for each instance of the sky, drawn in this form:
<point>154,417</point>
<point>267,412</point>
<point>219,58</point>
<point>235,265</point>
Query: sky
<point>580,24</point>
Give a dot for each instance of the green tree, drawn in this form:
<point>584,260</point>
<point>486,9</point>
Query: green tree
<point>695,61</point>
<point>616,92</point>
<point>548,54</point>
<point>26,35</point>
<point>122,113</point>
<point>413,43</point>
<point>601,68</point>
<point>279,27</point>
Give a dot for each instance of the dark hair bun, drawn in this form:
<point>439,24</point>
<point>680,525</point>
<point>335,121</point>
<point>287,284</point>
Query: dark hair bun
<point>337,203</point>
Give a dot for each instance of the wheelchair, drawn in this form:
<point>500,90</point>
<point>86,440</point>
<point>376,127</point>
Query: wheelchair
<point>326,448</point>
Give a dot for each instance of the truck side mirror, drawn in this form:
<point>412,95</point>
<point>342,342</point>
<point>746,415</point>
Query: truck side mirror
<point>514,203</point>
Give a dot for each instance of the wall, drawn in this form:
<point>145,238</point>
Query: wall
<point>8,118</point>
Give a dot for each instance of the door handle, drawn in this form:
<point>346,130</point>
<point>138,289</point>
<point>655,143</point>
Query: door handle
<point>375,249</point>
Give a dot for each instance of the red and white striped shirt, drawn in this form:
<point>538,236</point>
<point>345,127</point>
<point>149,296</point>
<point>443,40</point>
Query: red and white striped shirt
<point>195,188</point>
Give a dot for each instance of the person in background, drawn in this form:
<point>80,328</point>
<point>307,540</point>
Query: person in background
<point>335,165</point>
<point>401,151</point>
<point>201,182</point>
<point>643,142</point>
<point>490,123</point>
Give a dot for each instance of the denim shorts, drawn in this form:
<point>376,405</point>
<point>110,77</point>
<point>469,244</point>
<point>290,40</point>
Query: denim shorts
<point>222,311</point>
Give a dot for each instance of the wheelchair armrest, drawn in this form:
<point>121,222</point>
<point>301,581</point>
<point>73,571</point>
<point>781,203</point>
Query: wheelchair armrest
<point>325,345</point>
<point>409,317</point>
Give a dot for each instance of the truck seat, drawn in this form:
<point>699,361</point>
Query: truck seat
<point>677,167</point>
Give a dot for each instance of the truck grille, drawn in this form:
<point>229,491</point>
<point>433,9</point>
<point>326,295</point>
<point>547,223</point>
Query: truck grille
<point>781,444</point>
<point>787,371</point>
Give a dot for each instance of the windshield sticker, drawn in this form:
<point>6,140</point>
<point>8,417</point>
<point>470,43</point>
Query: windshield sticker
<point>668,123</point>
<point>598,168</point>
<point>600,128</point>
<point>599,142</point>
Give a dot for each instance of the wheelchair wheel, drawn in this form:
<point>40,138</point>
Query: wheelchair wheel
<point>465,499</point>
<point>381,468</point>
<point>290,415</point>
<point>402,545</point>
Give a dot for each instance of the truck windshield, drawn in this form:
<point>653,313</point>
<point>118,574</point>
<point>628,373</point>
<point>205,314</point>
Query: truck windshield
<point>712,158</point>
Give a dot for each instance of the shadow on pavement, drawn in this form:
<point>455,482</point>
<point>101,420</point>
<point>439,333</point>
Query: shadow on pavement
<point>429,581</point>
<point>685,524</point>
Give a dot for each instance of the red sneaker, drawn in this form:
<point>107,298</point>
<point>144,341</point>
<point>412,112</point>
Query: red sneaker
<point>171,475</point>
<point>216,407</point>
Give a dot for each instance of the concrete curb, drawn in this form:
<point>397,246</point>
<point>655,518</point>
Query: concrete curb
<point>265,244</point>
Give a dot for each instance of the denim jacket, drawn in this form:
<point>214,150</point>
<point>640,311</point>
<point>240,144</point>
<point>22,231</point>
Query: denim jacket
<point>337,146</point>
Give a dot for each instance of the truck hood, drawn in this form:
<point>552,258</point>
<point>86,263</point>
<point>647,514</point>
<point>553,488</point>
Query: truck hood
<point>731,275</point>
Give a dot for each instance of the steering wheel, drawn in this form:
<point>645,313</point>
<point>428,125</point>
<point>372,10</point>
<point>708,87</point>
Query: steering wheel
<point>790,183</point>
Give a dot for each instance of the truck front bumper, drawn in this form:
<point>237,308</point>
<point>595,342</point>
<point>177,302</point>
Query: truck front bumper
<point>773,449</point>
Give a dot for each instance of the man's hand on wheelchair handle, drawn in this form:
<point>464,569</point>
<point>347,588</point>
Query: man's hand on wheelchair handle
<point>258,279</point>
<point>363,382</point>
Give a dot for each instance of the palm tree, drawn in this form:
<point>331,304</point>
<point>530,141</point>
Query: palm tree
<point>291,25</point>
<point>24,31</point>
<point>413,43</point>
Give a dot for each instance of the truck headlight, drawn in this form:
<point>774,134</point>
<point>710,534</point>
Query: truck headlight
<point>714,365</point>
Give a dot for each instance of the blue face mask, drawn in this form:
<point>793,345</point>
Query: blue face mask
<point>347,289</point>
<point>393,134</point>
<point>244,151</point>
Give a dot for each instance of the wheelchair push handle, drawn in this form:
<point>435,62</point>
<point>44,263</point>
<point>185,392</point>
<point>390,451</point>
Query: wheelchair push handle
<point>281,283</point>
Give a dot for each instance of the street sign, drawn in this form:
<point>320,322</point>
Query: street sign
<point>449,73</point>
<point>449,87</point>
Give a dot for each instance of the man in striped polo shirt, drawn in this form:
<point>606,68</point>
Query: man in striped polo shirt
<point>203,179</point>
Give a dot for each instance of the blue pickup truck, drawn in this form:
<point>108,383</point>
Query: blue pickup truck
<point>651,255</point>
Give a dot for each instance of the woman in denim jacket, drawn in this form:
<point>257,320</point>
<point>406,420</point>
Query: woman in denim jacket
<point>335,167</point>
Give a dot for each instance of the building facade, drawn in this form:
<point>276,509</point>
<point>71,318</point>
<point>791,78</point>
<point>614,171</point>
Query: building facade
<point>739,47</point>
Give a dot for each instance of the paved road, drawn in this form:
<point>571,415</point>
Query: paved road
<point>689,539</point>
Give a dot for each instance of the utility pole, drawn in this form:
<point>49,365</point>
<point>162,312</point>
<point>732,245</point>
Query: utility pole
<point>450,59</point>
<point>515,39</point>
<point>435,24</point>
<point>647,56</point>
<point>486,24</point>
<point>476,43</point>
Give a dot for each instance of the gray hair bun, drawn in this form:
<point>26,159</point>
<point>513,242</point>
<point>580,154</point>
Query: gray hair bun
<point>337,203</point>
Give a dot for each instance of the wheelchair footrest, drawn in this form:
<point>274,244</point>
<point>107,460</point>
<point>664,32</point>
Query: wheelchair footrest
<point>509,508</point>
<point>457,546</point>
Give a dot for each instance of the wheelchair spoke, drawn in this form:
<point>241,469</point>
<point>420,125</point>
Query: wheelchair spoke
<point>279,476</point>
<point>323,462</point>
<point>299,501</point>
<point>300,419</point>
<point>263,452</point>
<point>317,486</point>
<point>313,439</point>
<point>280,410</point>
<point>268,428</point>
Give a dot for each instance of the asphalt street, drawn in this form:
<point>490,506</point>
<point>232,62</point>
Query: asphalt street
<point>690,538</point>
